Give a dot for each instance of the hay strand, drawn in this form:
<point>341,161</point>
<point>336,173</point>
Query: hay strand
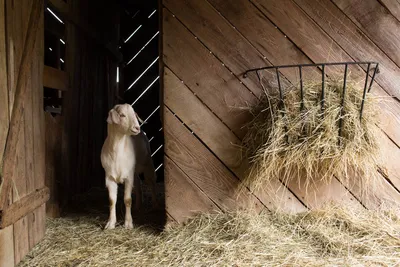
<point>333,236</point>
<point>300,140</point>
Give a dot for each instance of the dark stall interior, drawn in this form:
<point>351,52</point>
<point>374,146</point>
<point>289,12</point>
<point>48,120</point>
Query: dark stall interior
<point>98,54</point>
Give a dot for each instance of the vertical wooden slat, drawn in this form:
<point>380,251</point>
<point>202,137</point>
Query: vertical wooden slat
<point>38,217</point>
<point>21,242</point>
<point>18,31</point>
<point>6,234</point>
<point>7,247</point>
<point>53,162</point>
<point>4,115</point>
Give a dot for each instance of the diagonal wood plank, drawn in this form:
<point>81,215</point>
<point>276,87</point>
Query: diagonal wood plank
<point>359,47</point>
<point>340,28</point>
<point>270,42</point>
<point>324,192</point>
<point>220,140</point>
<point>233,50</point>
<point>383,194</point>
<point>393,6</point>
<point>218,137</point>
<point>183,199</point>
<point>264,36</point>
<point>315,50</point>
<point>321,193</point>
<point>374,20</point>
<point>280,11</point>
<point>206,171</point>
<point>218,35</point>
<point>205,75</point>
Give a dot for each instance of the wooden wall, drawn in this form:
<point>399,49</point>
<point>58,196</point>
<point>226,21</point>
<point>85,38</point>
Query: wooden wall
<point>208,44</point>
<point>22,156</point>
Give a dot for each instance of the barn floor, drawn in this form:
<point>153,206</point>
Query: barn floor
<point>331,237</point>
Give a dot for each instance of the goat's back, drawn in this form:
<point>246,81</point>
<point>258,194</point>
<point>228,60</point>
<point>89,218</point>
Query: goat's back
<point>142,151</point>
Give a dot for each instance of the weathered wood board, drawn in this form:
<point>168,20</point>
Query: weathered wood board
<point>208,44</point>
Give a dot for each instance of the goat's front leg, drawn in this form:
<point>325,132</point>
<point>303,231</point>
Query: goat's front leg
<point>128,202</point>
<point>112,195</point>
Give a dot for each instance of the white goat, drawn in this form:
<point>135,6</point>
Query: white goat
<point>125,152</point>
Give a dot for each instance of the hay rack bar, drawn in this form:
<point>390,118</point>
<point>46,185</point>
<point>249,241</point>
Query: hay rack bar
<point>371,66</point>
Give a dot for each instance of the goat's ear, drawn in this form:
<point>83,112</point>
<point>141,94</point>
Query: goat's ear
<point>109,119</point>
<point>139,119</point>
<point>113,117</point>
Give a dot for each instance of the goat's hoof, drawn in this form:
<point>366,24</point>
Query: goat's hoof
<point>110,225</point>
<point>128,224</point>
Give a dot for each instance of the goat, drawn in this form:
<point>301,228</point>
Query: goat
<point>125,153</point>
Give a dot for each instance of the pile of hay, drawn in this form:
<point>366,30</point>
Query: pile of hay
<point>333,236</point>
<point>301,141</point>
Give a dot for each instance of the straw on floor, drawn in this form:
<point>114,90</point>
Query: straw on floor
<point>303,141</point>
<point>333,236</point>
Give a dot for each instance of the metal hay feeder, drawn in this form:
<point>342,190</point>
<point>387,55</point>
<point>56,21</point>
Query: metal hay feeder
<point>371,66</point>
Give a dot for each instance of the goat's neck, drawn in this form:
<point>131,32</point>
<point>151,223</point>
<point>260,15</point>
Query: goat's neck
<point>117,138</point>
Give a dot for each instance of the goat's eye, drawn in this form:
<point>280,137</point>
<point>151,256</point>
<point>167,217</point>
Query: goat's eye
<point>122,115</point>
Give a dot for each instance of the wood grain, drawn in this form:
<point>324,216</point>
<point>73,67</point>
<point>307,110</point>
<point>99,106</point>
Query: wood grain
<point>55,79</point>
<point>203,168</point>
<point>21,242</point>
<point>4,118</point>
<point>20,180</point>
<point>53,162</point>
<point>204,75</point>
<point>375,21</point>
<point>220,140</point>
<point>381,194</point>
<point>321,193</point>
<point>341,29</point>
<point>20,93</point>
<point>7,247</point>
<point>393,6</point>
<point>203,122</point>
<point>220,37</point>
<point>25,205</point>
<point>37,219</point>
<point>391,156</point>
<point>183,199</point>
<point>276,11</point>
<point>264,36</point>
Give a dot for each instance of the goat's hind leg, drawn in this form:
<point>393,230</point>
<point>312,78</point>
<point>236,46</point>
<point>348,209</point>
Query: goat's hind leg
<point>150,178</point>
<point>112,195</point>
<point>128,202</point>
<point>138,193</point>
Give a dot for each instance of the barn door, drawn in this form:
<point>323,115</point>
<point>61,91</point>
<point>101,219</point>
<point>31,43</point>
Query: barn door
<point>22,163</point>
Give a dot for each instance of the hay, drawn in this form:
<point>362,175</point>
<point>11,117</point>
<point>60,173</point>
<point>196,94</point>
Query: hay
<point>333,236</point>
<point>304,144</point>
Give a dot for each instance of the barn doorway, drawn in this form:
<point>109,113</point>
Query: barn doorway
<point>98,63</point>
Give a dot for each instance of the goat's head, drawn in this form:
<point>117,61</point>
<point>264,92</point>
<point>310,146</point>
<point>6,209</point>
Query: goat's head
<point>125,119</point>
